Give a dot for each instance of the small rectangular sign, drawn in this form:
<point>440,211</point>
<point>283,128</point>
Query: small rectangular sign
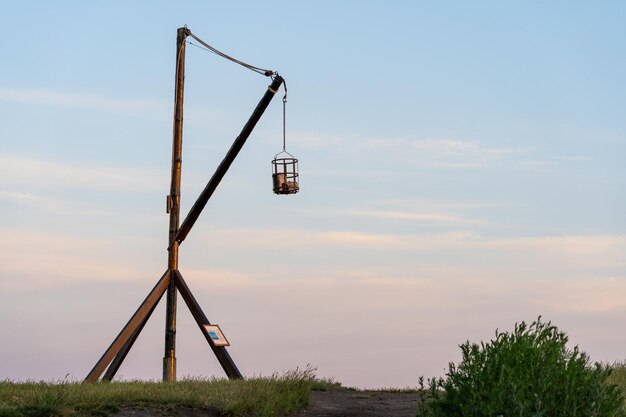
<point>216,335</point>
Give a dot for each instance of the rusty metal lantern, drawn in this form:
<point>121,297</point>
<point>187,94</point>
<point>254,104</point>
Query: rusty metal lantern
<point>285,166</point>
<point>285,173</point>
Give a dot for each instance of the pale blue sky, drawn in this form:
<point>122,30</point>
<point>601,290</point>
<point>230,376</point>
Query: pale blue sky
<point>461,170</point>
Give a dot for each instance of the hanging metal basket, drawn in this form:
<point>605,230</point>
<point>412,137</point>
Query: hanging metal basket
<point>285,174</point>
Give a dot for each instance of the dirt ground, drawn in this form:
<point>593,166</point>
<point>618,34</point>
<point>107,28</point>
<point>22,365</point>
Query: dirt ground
<point>345,403</point>
<point>340,403</point>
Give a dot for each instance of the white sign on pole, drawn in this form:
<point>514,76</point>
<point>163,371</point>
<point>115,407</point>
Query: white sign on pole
<point>216,335</point>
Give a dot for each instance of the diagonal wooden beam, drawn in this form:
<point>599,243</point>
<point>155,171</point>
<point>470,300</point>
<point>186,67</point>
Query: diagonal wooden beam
<point>196,311</point>
<point>119,358</point>
<point>222,168</point>
<point>133,324</point>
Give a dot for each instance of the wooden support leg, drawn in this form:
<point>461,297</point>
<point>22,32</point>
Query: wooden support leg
<point>220,351</point>
<point>119,358</point>
<point>133,324</point>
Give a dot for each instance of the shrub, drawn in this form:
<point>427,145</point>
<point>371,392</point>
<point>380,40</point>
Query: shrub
<point>618,375</point>
<point>527,373</point>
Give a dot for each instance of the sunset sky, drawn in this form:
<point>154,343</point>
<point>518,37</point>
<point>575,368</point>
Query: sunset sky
<point>461,169</point>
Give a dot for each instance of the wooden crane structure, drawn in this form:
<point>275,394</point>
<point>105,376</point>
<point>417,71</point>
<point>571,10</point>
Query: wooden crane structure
<point>172,281</point>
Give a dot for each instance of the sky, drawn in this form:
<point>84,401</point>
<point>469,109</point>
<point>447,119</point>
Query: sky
<point>461,170</point>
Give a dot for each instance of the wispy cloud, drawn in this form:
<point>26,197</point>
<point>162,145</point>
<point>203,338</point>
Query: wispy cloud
<point>322,142</point>
<point>57,205</point>
<point>60,174</point>
<point>223,278</point>
<point>459,238</point>
<point>280,239</point>
<point>601,295</point>
<point>448,255</point>
<point>80,100</point>
<point>552,163</point>
<point>414,310</point>
<point>436,153</point>
<point>422,217</point>
<point>37,260</point>
<point>574,245</point>
<point>439,146</point>
<point>345,238</point>
<point>423,152</point>
<point>441,205</point>
<point>476,255</point>
<point>28,199</point>
<point>443,153</point>
<point>426,308</point>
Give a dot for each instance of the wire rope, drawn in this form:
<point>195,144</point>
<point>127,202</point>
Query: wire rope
<point>207,47</point>
<point>268,73</point>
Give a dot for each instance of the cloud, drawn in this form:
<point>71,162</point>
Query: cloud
<point>324,142</point>
<point>38,260</point>
<point>573,244</point>
<point>445,153</point>
<point>280,239</point>
<point>599,251</point>
<point>327,257</point>
<point>359,310</point>
<point>78,100</point>
<point>27,198</point>
<point>287,313</point>
<point>553,163</point>
<point>439,146</point>
<point>603,295</point>
<point>568,245</point>
<point>412,216</point>
<point>55,205</point>
<point>216,278</point>
<point>31,171</point>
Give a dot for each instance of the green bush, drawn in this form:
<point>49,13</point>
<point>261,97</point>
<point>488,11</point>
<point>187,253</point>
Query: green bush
<point>527,373</point>
<point>618,375</point>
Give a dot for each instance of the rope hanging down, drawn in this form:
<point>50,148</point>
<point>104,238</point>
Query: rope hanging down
<point>207,47</point>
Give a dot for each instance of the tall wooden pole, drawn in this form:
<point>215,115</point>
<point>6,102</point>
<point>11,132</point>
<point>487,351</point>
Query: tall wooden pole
<point>169,359</point>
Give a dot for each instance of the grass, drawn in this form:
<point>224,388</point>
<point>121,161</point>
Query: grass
<point>277,395</point>
<point>263,397</point>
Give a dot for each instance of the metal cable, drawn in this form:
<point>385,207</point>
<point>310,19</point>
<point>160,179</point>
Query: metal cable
<point>207,47</point>
<point>268,73</point>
